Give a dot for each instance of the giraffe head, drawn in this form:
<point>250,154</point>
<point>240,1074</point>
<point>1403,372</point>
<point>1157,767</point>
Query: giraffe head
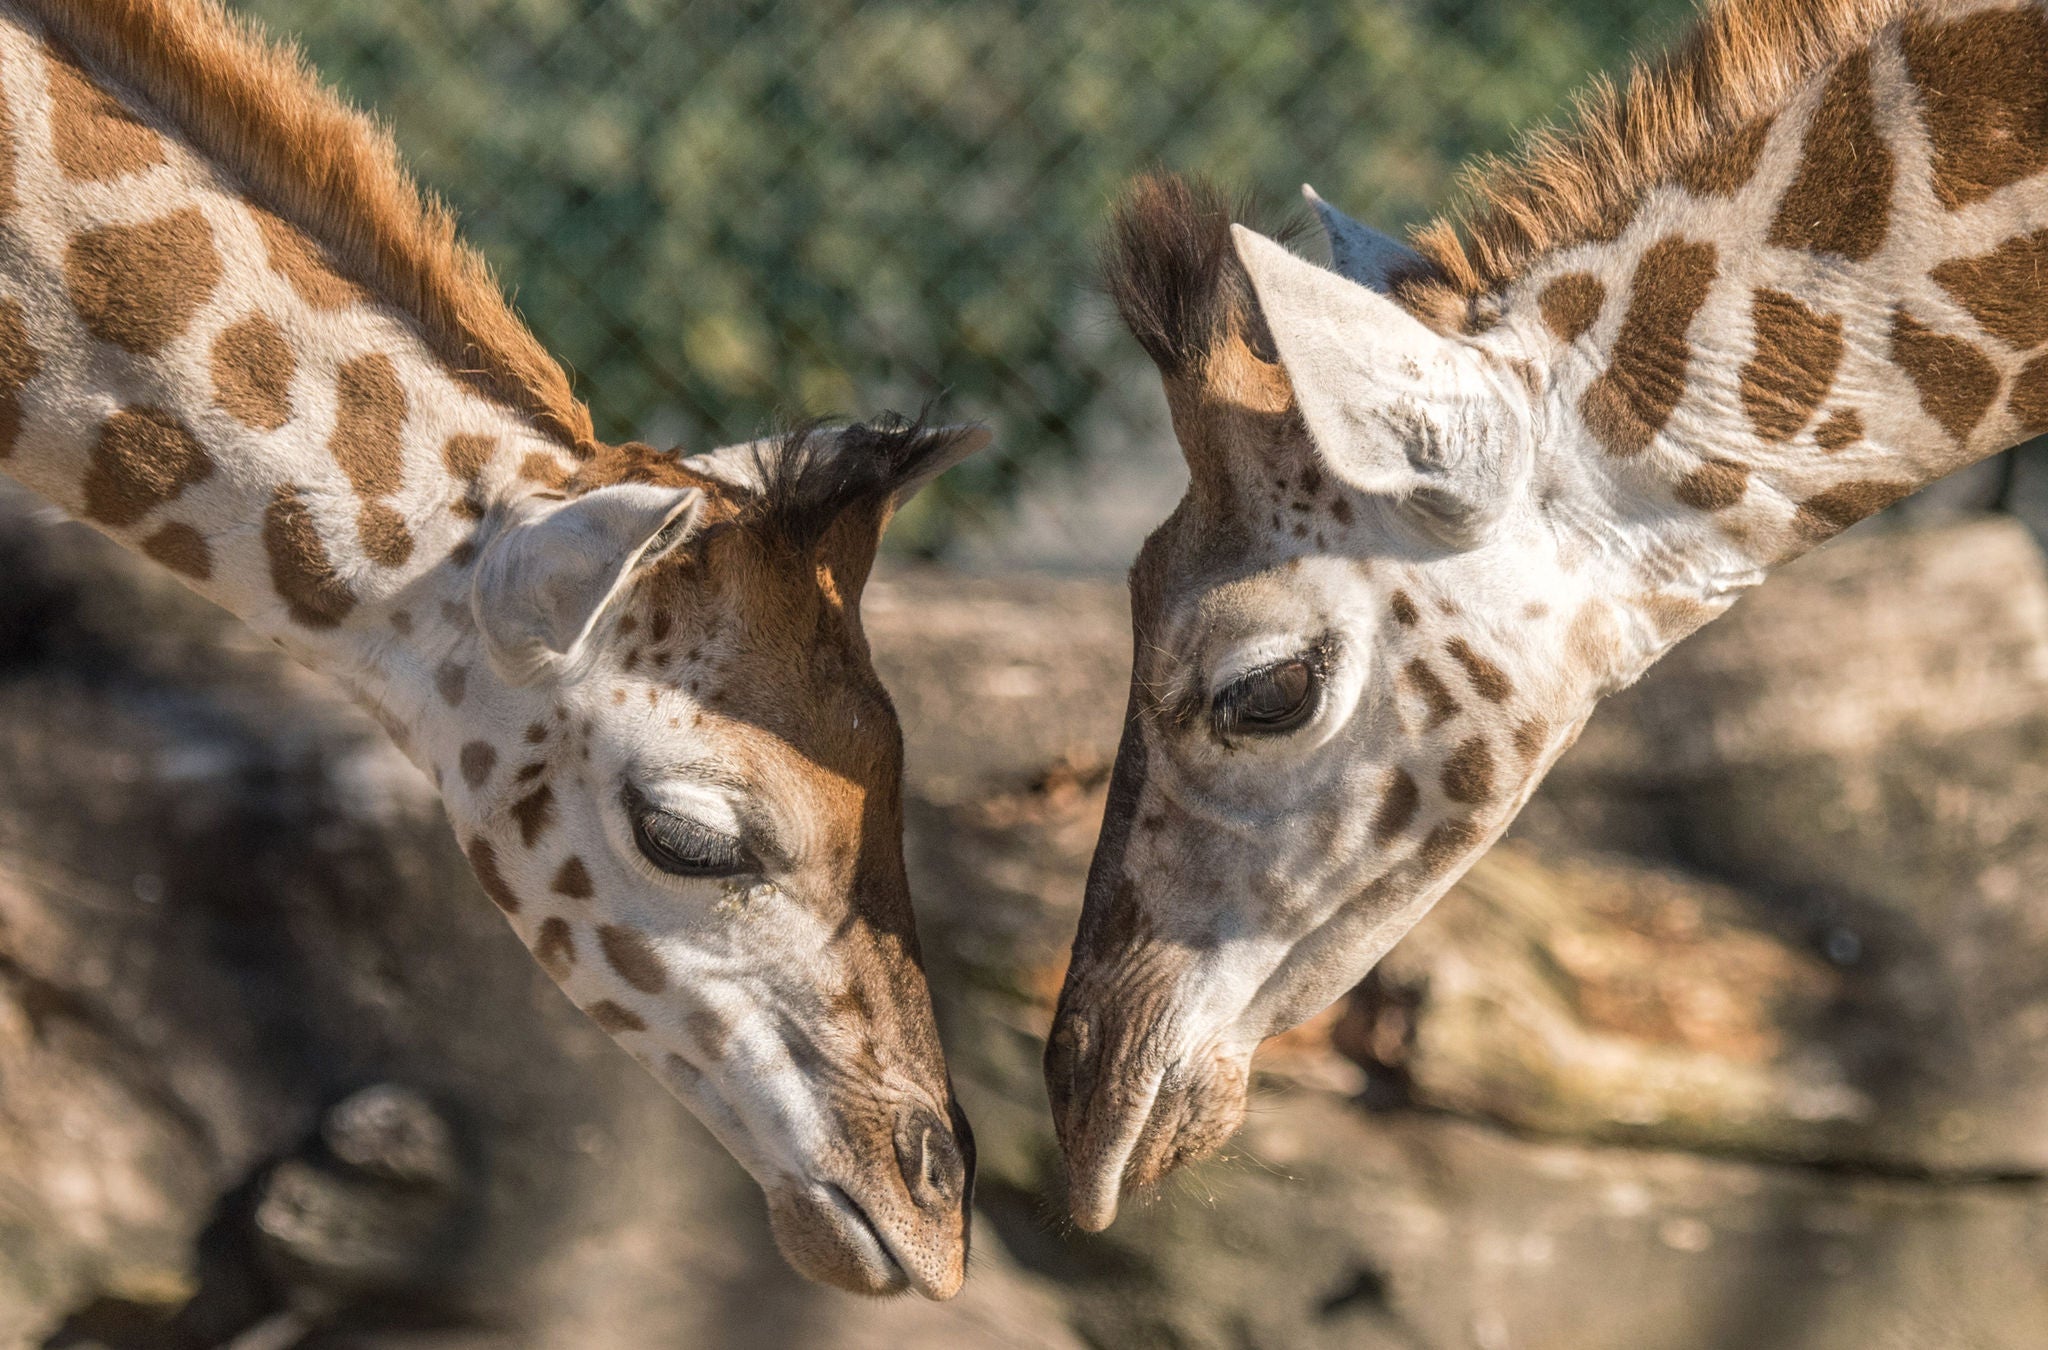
<point>679,777</point>
<point>1360,639</point>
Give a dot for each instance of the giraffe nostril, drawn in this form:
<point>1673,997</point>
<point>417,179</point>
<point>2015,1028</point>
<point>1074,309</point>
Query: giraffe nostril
<point>930,1160</point>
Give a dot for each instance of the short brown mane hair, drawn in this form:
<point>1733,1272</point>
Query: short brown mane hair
<point>254,108</point>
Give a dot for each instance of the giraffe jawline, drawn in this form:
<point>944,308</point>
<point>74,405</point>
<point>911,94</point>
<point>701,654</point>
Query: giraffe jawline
<point>858,1222</point>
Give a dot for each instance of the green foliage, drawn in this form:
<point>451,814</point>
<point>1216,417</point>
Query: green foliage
<point>722,212</point>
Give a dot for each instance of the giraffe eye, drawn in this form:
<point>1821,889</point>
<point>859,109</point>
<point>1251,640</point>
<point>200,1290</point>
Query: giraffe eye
<point>1271,700</point>
<point>684,848</point>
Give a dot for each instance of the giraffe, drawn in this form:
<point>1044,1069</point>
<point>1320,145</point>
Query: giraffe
<point>235,338</point>
<point>1446,495</point>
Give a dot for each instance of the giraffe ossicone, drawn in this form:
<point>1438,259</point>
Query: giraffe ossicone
<point>1442,500</point>
<point>234,338</point>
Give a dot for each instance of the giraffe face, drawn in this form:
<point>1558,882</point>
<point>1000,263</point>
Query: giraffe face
<point>1351,666</point>
<point>687,800</point>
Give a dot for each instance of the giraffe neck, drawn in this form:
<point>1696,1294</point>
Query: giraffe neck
<point>1828,308</point>
<point>193,377</point>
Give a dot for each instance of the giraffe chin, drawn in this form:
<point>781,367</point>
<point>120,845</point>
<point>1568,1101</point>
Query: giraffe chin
<point>829,1237</point>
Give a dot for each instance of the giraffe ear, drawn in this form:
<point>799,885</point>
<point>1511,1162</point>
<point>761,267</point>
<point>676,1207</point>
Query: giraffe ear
<point>1359,251</point>
<point>1396,409</point>
<point>555,566</point>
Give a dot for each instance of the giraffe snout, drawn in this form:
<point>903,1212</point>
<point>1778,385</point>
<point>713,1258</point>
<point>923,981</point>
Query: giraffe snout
<point>936,1167</point>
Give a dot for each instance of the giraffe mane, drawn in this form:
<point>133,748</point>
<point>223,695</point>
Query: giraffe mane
<point>1582,181</point>
<point>254,107</point>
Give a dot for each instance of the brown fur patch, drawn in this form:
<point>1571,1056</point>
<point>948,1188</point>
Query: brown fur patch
<point>1530,736</point>
<point>483,860</point>
<point>615,1019</point>
<point>1836,509</point>
<point>1841,199</point>
<point>329,171</point>
<point>573,879</point>
<point>1956,382</point>
<point>478,758</point>
<point>1442,706</point>
<point>1725,167</point>
<point>182,549</point>
<point>2003,289</point>
<point>384,535</point>
<point>1468,773</point>
<point>1715,485</point>
<point>1398,804</point>
<point>299,261</point>
<point>1739,64</point>
<point>710,1032</point>
<point>1798,352</point>
<point>535,812</point>
<point>540,467</point>
<point>1446,845</point>
<point>1635,396</point>
<point>2029,398</point>
<point>143,458</point>
<point>630,954</point>
<point>451,681</point>
<point>92,137</point>
<point>1985,102</point>
<point>1675,616</point>
<point>1571,305</point>
<point>1404,610</point>
<point>466,457</point>
<point>1489,679</point>
<point>300,570</point>
<point>252,373</point>
<point>555,948</point>
<point>1843,428</point>
<point>138,286</point>
<point>367,429</point>
<point>20,362</point>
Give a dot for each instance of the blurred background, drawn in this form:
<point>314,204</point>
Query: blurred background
<point>1739,1040</point>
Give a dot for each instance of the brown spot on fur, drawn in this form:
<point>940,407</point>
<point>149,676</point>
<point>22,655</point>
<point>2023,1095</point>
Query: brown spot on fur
<point>1836,509</point>
<point>366,441</point>
<point>1591,638</point>
<point>1404,610</point>
<point>1442,707</point>
<point>1841,199</point>
<point>304,578</point>
<point>143,458</point>
<point>384,534</point>
<point>298,260</point>
<point>613,1018</point>
<point>1715,485</point>
<point>252,373</point>
<point>478,758</point>
<point>138,286</point>
<point>401,620</point>
<point>1468,773</point>
<point>573,879</point>
<point>543,468</point>
<point>556,948</point>
<point>1798,351</point>
<point>1397,806</point>
<point>182,549</point>
<point>451,680</point>
<point>1489,679</point>
<point>1446,845</point>
<point>1985,103</point>
<point>20,362</point>
<point>93,137</point>
<point>630,954</point>
<point>1843,429</point>
<point>1725,167</point>
<point>483,860</point>
<point>466,457</point>
<point>1529,736</point>
<point>534,812</point>
<point>2029,398</point>
<point>1571,305</point>
<point>1635,396</point>
<point>1675,615</point>
<point>710,1033</point>
<point>1956,382</point>
<point>2002,289</point>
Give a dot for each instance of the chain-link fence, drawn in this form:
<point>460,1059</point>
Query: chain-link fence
<point>721,212</point>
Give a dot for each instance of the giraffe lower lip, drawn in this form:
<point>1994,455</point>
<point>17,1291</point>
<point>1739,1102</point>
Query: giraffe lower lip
<point>857,1218</point>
